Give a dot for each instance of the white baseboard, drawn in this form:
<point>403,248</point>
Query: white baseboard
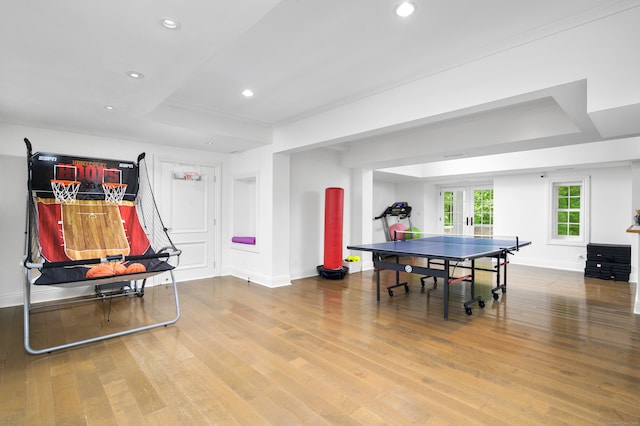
<point>264,280</point>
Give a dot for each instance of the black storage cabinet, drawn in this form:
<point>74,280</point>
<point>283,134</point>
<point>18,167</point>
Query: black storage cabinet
<point>608,262</point>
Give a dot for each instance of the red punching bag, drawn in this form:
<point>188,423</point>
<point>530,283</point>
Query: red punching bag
<point>333,210</point>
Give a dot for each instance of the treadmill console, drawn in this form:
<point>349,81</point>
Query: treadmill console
<point>400,208</point>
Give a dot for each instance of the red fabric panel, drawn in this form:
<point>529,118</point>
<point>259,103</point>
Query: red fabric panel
<point>333,212</point>
<point>138,241</point>
<point>50,232</point>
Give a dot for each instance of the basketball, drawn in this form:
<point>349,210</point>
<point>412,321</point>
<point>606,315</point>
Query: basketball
<point>136,268</point>
<point>106,270</point>
<point>396,231</point>
<point>102,270</point>
<point>119,268</point>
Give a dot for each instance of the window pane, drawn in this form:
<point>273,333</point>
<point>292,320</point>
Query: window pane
<point>574,191</point>
<point>563,191</point>
<point>563,203</point>
<point>483,207</point>
<point>563,217</point>
<point>574,217</point>
<point>574,202</point>
<point>448,208</point>
<point>574,230</point>
<point>563,229</point>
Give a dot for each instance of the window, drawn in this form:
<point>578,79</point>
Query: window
<point>483,212</point>
<point>568,210</point>
<point>569,201</point>
<point>448,211</point>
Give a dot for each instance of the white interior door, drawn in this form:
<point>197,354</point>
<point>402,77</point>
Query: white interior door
<point>186,196</point>
<point>467,210</point>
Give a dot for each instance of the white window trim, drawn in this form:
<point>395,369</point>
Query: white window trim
<point>585,211</point>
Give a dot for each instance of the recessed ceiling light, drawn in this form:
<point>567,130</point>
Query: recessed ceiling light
<point>247,93</point>
<point>405,9</point>
<point>109,107</point>
<point>135,74</point>
<point>170,24</point>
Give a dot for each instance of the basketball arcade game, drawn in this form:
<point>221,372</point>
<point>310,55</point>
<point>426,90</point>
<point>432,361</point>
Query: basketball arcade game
<point>93,222</point>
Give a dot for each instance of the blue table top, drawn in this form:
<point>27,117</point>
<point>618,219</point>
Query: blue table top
<point>456,248</point>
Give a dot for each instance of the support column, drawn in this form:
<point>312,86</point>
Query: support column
<point>281,224</point>
<point>362,211</point>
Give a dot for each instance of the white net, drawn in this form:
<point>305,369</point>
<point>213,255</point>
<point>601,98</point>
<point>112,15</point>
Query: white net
<point>114,192</point>
<point>149,215</point>
<point>65,191</point>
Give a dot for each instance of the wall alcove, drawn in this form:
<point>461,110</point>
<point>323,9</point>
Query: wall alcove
<point>245,212</point>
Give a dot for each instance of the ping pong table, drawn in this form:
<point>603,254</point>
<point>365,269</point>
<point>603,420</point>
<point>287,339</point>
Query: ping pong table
<point>443,252</point>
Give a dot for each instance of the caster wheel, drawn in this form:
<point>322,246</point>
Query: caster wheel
<point>504,290</point>
<point>468,311</point>
<point>406,289</point>
<point>481,303</point>
<point>495,296</point>
<point>390,293</point>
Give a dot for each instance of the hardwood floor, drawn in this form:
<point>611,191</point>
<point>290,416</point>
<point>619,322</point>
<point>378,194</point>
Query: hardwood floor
<point>555,349</point>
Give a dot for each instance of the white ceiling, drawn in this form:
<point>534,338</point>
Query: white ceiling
<point>63,61</point>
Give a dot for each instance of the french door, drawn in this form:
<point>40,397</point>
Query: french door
<point>467,210</point>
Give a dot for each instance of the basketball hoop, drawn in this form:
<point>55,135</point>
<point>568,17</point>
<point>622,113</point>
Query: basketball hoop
<point>114,192</point>
<point>191,176</point>
<point>65,191</point>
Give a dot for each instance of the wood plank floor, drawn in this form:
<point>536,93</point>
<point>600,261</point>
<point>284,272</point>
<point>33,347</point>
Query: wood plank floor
<point>555,349</point>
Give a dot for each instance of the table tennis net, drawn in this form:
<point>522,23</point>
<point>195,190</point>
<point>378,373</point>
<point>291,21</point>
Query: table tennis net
<point>489,240</point>
<point>92,236</point>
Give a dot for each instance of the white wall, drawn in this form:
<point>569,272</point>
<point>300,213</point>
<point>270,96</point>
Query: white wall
<point>414,194</point>
<point>281,219</point>
<point>361,206</point>
<point>13,159</point>
<point>258,263</point>
<point>384,194</point>
<point>431,209</point>
<point>522,209</point>
<point>421,196</point>
<point>311,173</point>
<point>13,190</point>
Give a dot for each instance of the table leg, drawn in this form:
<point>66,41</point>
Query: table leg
<point>505,272</point>
<point>474,298</point>
<point>473,278</point>
<point>498,270</point>
<point>502,261</point>
<point>446,290</point>
<point>378,283</point>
